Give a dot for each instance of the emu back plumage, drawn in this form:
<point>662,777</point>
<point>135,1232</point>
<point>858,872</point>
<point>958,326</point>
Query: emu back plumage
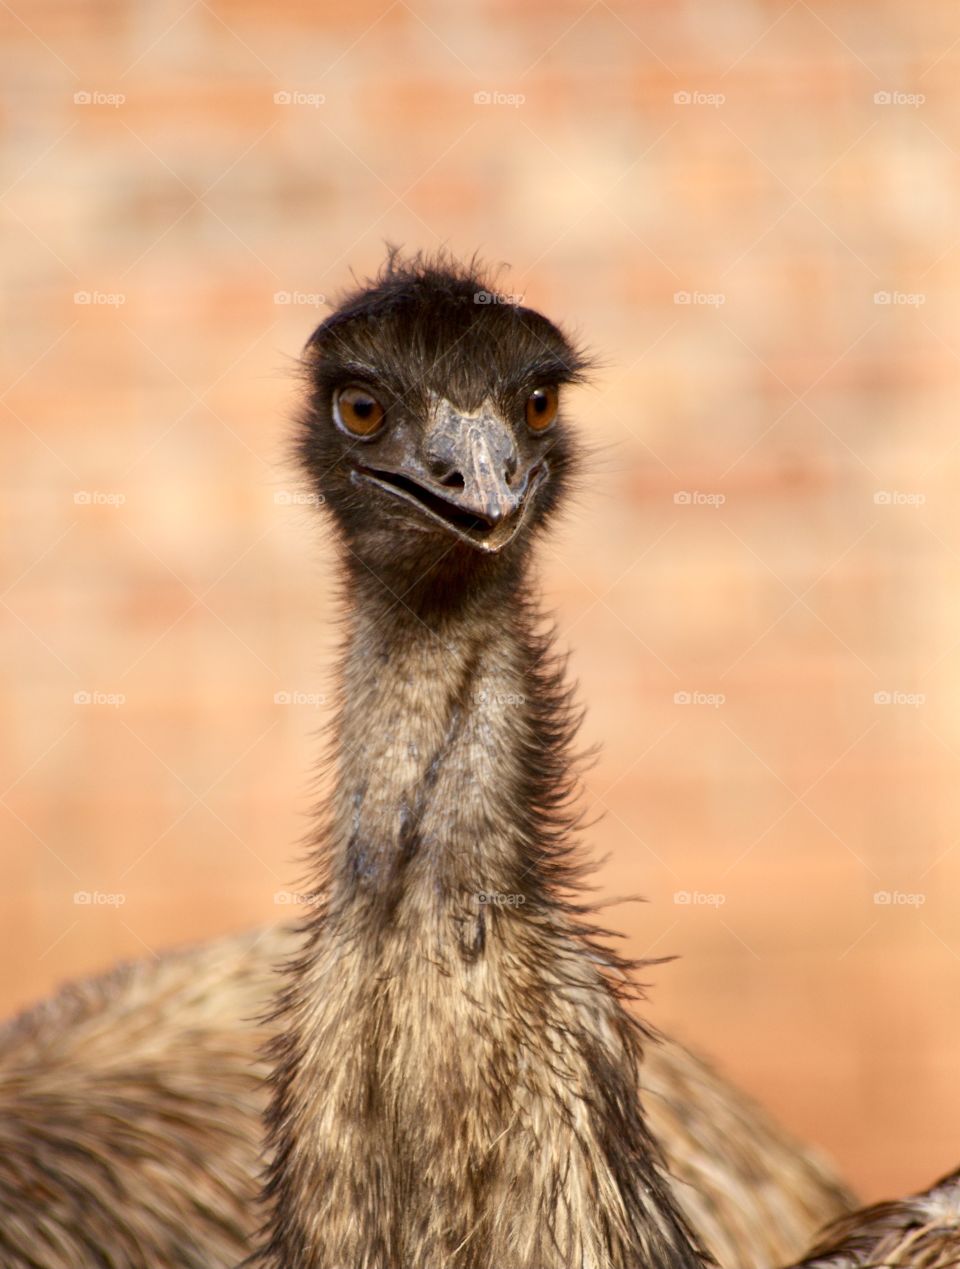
<point>919,1232</point>
<point>130,1129</point>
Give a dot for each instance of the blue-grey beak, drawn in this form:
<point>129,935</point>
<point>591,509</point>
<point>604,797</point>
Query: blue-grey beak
<point>464,473</point>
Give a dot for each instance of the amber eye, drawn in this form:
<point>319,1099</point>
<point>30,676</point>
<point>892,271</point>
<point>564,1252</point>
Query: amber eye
<point>358,411</point>
<point>542,408</point>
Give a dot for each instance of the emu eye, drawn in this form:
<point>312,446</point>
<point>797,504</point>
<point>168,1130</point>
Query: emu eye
<point>358,411</point>
<point>542,408</point>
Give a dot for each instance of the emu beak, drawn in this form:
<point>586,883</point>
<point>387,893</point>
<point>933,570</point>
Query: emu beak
<point>465,474</point>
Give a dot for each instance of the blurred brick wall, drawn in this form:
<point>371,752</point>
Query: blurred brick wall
<point>770,518</point>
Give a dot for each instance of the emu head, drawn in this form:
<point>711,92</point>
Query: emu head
<point>434,427</point>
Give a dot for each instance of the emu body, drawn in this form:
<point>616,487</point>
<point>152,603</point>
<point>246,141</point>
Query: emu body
<point>920,1232</point>
<point>130,1107</point>
<point>169,1049</point>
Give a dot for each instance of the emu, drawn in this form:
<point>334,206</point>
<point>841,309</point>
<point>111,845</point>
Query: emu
<point>458,1080</point>
<point>456,1069</point>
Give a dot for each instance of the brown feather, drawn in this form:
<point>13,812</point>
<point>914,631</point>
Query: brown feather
<point>920,1232</point>
<point>151,1041</point>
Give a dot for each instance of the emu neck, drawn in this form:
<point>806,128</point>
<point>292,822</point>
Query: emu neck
<point>434,750</point>
<point>457,1079</point>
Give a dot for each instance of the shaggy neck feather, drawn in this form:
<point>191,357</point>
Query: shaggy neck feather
<point>433,739</point>
<point>456,1085</point>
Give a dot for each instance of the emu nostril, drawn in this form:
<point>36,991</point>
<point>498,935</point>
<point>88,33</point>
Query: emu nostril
<point>444,472</point>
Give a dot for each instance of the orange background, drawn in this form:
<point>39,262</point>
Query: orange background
<point>190,585</point>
